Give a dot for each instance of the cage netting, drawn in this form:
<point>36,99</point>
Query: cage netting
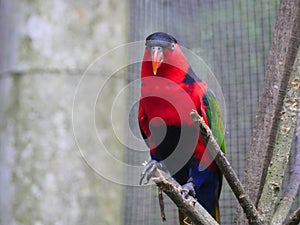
<point>233,37</point>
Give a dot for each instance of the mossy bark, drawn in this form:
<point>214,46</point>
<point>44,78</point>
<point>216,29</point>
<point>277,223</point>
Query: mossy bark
<point>281,152</point>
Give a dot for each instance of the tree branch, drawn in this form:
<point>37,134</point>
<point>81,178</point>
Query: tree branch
<point>281,152</point>
<point>294,219</point>
<point>189,205</point>
<point>291,191</point>
<point>249,208</point>
<point>281,59</point>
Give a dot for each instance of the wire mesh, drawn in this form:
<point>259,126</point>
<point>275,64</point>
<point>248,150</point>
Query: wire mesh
<point>233,37</point>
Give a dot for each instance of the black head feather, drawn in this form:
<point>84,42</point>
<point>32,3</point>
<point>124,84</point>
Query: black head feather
<point>161,36</point>
<point>161,39</point>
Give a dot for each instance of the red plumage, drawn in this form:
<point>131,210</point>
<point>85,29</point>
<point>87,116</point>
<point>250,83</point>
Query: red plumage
<point>167,97</point>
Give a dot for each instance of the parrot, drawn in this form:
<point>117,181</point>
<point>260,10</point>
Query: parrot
<point>170,90</point>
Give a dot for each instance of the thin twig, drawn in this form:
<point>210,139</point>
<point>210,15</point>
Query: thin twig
<point>161,204</point>
<point>249,208</point>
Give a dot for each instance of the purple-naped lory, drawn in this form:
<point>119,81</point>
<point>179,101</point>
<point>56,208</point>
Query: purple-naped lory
<point>170,90</point>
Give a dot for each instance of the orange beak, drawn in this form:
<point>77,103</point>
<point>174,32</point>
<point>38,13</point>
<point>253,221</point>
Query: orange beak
<point>157,58</point>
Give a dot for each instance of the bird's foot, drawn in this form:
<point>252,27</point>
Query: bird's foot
<point>188,189</point>
<point>150,169</point>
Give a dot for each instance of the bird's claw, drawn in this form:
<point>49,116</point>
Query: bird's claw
<point>188,189</point>
<point>149,170</point>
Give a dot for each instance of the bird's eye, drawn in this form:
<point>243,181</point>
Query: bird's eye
<point>173,46</point>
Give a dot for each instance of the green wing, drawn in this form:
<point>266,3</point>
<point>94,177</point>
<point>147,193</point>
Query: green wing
<point>214,117</point>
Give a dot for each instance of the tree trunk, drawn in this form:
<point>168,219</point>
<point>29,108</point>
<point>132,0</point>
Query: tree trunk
<point>282,56</point>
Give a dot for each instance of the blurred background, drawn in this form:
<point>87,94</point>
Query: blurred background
<point>68,126</point>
